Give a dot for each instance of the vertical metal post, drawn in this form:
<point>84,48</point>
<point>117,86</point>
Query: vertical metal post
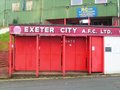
<point>118,2</point>
<point>10,56</point>
<point>87,53</point>
<point>4,13</point>
<point>37,62</point>
<point>13,54</point>
<point>89,20</point>
<point>90,53</point>
<point>41,9</point>
<point>65,21</point>
<point>103,55</point>
<point>63,57</point>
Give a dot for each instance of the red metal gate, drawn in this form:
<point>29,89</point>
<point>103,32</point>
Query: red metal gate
<point>75,54</point>
<point>25,53</point>
<point>57,48</point>
<point>50,53</point>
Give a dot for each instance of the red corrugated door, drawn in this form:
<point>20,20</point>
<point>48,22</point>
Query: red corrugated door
<point>81,55</point>
<point>45,54</point>
<point>55,54</point>
<point>25,53</point>
<point>75,59</point>
<point>50,54</point>
<point>70,54</point>
<point>30,53</point>
<point>20,48</point>
<point>97,54</point>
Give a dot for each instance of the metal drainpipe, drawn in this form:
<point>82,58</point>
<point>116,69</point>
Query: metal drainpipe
<point>118,11</point>
<point>41,11</point>
<point>4,13</point>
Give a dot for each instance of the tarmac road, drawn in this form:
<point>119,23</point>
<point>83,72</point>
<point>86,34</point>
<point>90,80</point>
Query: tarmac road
<point>99,83</point>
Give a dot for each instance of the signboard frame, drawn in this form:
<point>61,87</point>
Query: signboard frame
<point>87,12</point>
<point>53,30</point>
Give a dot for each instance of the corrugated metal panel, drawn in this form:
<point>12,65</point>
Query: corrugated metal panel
<point>50,54</point>
<point>75,54</point>
<point>25,53</point>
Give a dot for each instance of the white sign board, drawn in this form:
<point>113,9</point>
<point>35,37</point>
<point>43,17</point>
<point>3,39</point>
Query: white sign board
<point>76,2</point>
<point>100,1</point>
